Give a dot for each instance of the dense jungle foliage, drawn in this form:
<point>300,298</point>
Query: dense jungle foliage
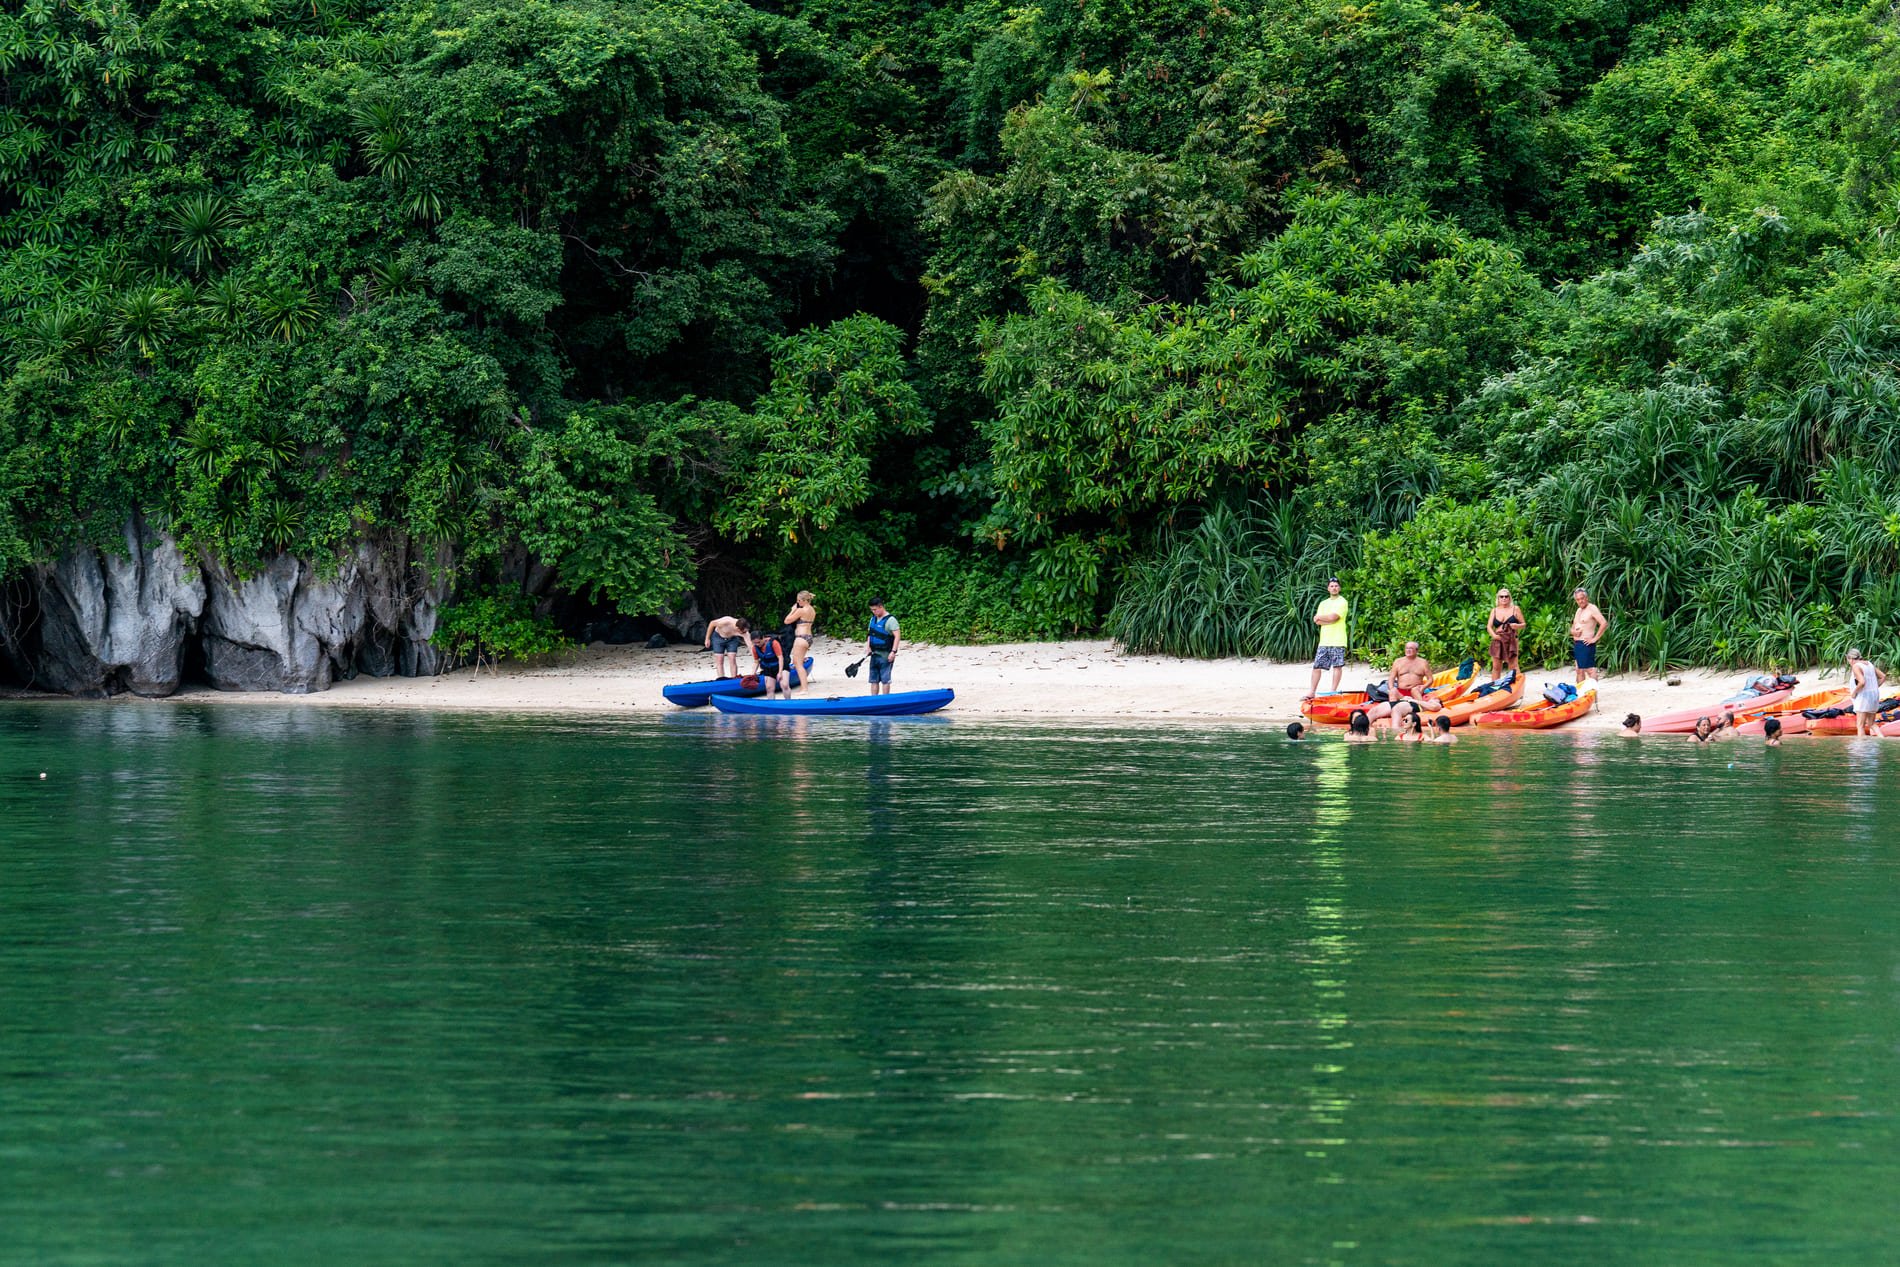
<point>1138,317</point>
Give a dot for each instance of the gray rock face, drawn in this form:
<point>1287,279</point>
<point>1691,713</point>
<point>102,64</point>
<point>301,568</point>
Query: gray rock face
<point>296,629</point>
<point>113,622</point>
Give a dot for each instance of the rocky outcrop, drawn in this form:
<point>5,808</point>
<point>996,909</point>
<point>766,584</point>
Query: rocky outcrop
<point>111,622</point>
<point>295,628</point>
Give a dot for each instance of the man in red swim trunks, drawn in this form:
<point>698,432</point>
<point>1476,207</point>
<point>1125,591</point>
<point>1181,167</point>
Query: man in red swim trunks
<point>1411,674</point>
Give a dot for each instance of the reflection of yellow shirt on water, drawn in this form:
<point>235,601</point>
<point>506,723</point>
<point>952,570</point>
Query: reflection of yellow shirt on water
<point>1333,635</point>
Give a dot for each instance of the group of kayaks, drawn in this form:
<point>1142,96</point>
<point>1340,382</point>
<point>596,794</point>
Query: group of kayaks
<point>1814,713</point>
<point>1465,699</point>
<point>741,695</point>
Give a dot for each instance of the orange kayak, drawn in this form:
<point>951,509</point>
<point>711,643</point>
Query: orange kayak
<point>1336,709</point>
<point>1789,714</point>
<point>1539,716</point>
<point>1844,724</point>
<point>1472,705</point>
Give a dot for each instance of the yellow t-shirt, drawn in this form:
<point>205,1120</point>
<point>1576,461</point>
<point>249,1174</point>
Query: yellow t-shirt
<point>1333,635</point>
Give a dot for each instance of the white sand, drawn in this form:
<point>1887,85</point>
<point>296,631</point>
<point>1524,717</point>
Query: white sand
<point>1041,681</point>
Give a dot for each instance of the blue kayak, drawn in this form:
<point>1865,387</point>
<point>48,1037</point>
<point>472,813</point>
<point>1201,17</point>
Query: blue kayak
<point>700,694</point>
<point>896,704</point>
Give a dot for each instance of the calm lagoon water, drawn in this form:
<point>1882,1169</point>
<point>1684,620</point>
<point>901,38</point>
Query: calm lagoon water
<point>309,986</point>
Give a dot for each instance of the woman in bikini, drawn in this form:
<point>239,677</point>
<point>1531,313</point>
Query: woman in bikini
<point>1507,621</point>
<point>800,620</point>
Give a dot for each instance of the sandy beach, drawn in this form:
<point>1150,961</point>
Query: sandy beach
<point>1081,680</point>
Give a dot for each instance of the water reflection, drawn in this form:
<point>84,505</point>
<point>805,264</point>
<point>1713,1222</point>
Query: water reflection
<point>1327,959</point>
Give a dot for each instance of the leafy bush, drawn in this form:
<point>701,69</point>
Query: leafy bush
<point>945,596</point>
<point>490,628</point>
<point>1242,581</point>
<point>1435,578</point>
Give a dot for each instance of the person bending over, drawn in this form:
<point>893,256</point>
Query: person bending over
<point>725,638</point>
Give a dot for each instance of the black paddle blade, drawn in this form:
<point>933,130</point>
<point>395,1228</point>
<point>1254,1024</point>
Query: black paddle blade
<point>851,670</point>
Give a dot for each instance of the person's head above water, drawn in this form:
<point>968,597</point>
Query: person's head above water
<point>1443,724</point>
<point>1772,728</point>
<point>1359,723</point>
<point>1632,722</point>
<point>1294,730</point>
<point>1411,723</point>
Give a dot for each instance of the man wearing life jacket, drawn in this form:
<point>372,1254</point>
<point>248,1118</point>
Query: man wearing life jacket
<point>881,645</point>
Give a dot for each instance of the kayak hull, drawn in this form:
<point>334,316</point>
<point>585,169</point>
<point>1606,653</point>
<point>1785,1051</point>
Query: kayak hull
<point>1682,721</point>
<point>1539,716</point>
<point>1790,713</point>
<point>896,704</point>
<point>700,694</point>
<point>1472,706</point>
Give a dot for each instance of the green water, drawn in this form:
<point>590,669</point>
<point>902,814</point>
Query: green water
<point>296,986</point>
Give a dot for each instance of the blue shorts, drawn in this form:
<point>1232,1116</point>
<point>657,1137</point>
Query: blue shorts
<point>1330,658</point>
<point>880,670</point>
<point>723,645</point>
<point>1586,653</point>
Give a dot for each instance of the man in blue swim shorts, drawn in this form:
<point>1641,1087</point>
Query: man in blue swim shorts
<point>726,637</point>
<point>1586,630</point>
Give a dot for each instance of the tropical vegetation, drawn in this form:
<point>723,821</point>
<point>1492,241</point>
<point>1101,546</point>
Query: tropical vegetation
<point>1142,318</point>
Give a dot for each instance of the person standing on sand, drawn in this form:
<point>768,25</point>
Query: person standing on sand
<point>798,624</point>
<point>1866,689</point>
<point>881,643</point>
<point>1411,675</point>
<point>1505,623</point>
<point>1330,616</point>
<point>725,638</point>
<point>1586,630</point>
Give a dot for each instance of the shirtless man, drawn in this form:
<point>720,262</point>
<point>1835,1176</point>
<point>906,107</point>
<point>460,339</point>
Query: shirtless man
<point>1586,630</point>
<point>1505,624</point>
<point>1411,674</point>
<point>801,618</point>
<point>725,638</point>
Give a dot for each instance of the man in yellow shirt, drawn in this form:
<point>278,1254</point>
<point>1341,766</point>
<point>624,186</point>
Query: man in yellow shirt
<point>1331,619</point>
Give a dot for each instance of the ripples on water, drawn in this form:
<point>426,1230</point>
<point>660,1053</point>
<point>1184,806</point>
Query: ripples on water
<point>306,986</point>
